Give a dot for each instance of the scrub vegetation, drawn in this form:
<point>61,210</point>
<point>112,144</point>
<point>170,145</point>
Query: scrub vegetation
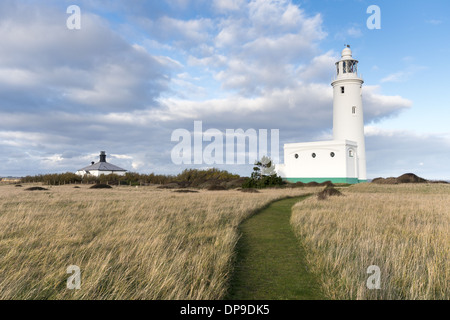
<point>187,178</point>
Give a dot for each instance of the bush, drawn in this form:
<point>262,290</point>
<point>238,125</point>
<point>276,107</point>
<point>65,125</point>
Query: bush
<point>101,186</point>
<point>53,179</point>
<point>216,188</point>
<point>263,182</point>
<point>188,178</point>
<point>36,189</point>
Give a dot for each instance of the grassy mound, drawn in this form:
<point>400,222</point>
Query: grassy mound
<point>185,191</point>
<point>328,192</point>
<point>216,188</point>
<point>311,184</point>
<point>410,178</point>
<point>296,185</point>
<point>327,184</point>
<point>405,178</point>
<point>101,186</point>
<point>36,189</point>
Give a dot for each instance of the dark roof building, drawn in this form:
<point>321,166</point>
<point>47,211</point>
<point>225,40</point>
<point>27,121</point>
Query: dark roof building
<point>101,167</point>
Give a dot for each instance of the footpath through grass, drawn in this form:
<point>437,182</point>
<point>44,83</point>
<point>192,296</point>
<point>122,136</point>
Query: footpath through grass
<point>270,261</point>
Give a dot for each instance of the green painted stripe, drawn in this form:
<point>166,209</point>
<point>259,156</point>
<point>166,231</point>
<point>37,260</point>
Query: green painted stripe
<point>320,180</point>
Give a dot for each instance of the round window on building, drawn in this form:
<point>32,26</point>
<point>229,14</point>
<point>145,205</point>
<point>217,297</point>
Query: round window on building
<point>296,156</point>
<point>314,155</point>
<point>332,154</point>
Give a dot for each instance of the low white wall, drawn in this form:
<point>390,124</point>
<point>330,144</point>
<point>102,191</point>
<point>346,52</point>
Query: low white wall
<point>323,165</point>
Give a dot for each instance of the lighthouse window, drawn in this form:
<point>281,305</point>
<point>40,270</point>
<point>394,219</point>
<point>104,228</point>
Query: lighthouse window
<point>342,89</point>
<point>296,156</point>
<point>350,66</point>
<point>332,154</point>
<point>353,110</point>
<point>350,153</point>
<point>314,155</point>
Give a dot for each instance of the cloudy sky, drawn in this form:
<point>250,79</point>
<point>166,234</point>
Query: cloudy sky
<point>137,70</point>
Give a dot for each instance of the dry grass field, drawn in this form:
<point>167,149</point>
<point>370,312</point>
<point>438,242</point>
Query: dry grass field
<point>402,229</point>
<point>148,243</point>
<point>130,243</point>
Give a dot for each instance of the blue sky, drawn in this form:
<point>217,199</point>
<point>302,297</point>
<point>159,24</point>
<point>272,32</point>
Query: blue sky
<point>138,70</point>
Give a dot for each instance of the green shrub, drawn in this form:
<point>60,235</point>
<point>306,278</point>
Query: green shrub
<point>263,176</point>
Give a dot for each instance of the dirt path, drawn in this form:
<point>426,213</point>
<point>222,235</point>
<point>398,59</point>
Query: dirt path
<point>270,261</point>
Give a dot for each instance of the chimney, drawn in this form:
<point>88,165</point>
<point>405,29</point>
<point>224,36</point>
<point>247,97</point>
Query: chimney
<point>102,156</point>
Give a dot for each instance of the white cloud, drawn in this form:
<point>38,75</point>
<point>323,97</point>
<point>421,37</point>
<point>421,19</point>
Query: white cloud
<point>405,75</point>
<point>354,32</point>
<point>320,68</point>
<point>67,95</point>
<point>263,46</point>
<point>184,34</point>
<point>396,77</point>
<point>378,106</point>
<point>43,65</point>
<point>224,6</point>
<point>395,152</point>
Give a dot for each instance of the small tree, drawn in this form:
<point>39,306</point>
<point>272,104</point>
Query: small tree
<point>263,175</point>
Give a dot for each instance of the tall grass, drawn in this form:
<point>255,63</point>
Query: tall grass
<point>130,243</point>
<point>403,229</point>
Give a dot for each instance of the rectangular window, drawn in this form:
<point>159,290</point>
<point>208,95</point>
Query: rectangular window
<point>353,110</point>
<point>342,90</point>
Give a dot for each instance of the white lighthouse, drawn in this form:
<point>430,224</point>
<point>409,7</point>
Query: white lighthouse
<point>342,160</point>
<point>348,116</point>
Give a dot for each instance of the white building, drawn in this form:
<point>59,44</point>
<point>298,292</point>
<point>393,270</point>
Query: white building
<point>101,167</point>
<point>342,160</point>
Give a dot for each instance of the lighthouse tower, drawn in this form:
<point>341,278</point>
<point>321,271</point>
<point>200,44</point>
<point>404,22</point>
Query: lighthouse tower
<point>343,159</point>
<point>348,120</point>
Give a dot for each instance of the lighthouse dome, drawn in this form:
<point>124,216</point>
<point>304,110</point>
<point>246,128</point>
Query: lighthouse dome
<point>346,53</point>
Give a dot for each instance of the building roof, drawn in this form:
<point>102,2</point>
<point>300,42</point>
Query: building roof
<point>102,166</point>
